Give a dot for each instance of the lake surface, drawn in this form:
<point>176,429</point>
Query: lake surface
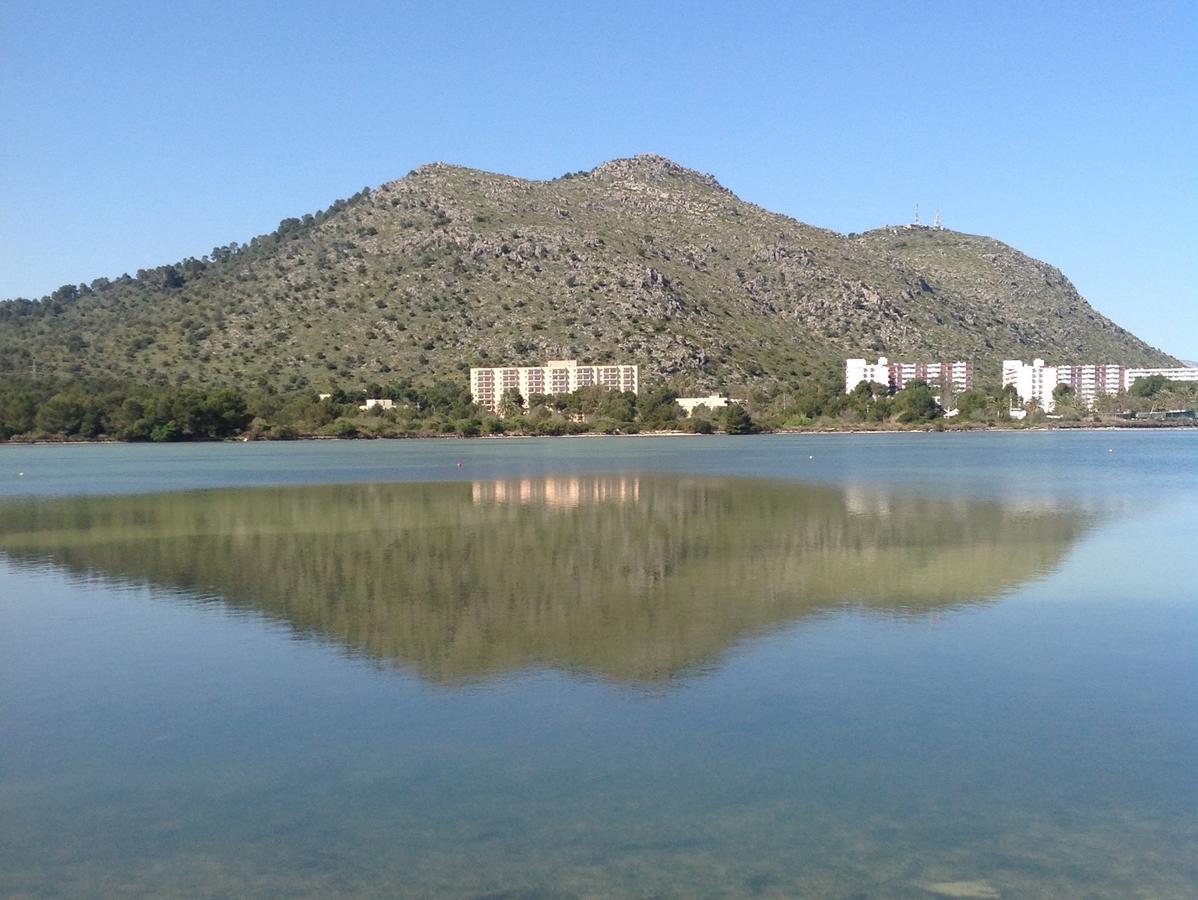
<point>898,666</point>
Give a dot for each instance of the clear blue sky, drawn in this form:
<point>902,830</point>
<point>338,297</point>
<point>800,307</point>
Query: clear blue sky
<point>135,134</point>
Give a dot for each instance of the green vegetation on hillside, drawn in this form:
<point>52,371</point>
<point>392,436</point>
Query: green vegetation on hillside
<point>639,260</point>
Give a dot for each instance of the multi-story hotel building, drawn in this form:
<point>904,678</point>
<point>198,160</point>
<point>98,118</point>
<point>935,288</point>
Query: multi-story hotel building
<point>896,376</point>
<point>1090,380</point>
<point>1038,381</point>
<point>558,376</point>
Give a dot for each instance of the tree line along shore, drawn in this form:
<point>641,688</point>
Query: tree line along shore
<point>66,409</point>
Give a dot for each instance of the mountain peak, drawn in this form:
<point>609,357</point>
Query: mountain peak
<point>652,167</point>
<point>435,168</point>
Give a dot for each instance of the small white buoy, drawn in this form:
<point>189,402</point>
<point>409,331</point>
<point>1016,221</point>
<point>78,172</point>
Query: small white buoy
<point>21,474</point>
<point>811,457</point>
<point>1111,450</point>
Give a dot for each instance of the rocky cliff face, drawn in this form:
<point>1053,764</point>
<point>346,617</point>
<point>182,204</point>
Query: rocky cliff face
<point>639,260</point>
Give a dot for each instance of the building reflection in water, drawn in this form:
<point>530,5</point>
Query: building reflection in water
<point>566,492</point>
<point>635,578</point>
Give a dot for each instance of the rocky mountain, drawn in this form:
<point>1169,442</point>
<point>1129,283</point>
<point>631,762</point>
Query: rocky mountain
<point>638,260</point>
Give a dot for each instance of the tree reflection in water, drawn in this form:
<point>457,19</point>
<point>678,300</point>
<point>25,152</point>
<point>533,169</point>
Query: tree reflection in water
<point>636,579</point>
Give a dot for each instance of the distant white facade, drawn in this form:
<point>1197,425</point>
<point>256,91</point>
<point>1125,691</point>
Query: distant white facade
<point>558,376</point>
<point>689,404</point>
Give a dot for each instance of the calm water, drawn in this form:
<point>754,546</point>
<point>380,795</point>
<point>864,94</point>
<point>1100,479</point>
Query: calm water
<point>854,666</point>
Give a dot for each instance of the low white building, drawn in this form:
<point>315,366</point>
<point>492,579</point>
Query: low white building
<point>558,376</point>
<point>371,403</point>
<point>1185,373</point>
<point>690,404</point>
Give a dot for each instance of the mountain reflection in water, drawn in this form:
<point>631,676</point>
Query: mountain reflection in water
<point>632,578</point>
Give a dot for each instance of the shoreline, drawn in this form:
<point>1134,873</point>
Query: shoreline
<point>1150,425</point>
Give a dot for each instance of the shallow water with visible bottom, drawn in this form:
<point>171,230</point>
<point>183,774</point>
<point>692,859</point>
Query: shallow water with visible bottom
<point>897,666</point>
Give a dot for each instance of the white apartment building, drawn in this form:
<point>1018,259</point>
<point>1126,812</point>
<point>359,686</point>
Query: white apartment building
<point>858,370</point>
<point>1038,380</point>
<point>895,376</point>
<point>1034,382</point>
<point>558,376</point>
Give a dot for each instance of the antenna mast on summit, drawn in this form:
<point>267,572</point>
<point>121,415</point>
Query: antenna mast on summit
<point>916,222</point>
<point>937,225</point>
